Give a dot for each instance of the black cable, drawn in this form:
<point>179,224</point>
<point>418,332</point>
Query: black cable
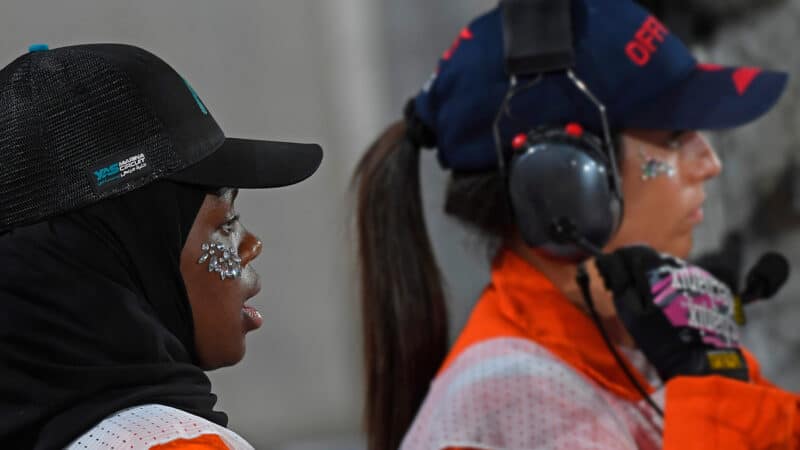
<point>583,282</point>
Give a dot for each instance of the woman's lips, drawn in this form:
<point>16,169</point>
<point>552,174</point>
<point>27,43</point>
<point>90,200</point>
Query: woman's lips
<point>252,318</point>
<point>696,215</point>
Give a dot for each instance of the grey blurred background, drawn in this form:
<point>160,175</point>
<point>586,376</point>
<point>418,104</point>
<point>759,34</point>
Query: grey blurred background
<point>336,72</point>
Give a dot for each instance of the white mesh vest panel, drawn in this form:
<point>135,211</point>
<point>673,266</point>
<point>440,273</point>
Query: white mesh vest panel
<point>142,427</point>
<point>513,394</point>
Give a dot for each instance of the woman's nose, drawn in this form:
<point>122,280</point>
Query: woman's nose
<point>704,164</point>
<point>249,248</point>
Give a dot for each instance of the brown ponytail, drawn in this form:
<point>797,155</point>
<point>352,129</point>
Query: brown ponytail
<point>403,306</point>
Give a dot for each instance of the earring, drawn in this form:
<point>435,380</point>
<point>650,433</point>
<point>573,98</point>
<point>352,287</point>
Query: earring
<point>652,167</point>
<point>221,259</point>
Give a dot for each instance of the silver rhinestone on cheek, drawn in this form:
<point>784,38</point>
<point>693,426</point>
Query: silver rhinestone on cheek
<point>652,167</point>
<point>223,260</point>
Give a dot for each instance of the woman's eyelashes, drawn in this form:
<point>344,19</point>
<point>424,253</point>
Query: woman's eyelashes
<point>676,139</point>
<point>230,224</point>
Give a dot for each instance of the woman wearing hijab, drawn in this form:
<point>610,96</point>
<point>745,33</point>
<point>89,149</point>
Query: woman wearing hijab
<point>125,268</point>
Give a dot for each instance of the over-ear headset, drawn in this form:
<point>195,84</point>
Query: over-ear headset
<point>563,183</point>
<point>562,180</point>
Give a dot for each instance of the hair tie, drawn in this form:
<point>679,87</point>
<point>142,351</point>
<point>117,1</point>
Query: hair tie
<point>419,134</point>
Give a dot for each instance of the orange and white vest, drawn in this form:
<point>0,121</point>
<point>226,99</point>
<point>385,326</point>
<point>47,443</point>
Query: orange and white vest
<point>531,371</point>
<point>158,427</point>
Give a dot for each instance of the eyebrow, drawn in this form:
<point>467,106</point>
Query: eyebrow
<point>677,133</point>
<point>221,192</point>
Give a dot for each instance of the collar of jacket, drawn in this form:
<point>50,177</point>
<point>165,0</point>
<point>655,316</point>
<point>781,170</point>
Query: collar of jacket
<point>521,302</point>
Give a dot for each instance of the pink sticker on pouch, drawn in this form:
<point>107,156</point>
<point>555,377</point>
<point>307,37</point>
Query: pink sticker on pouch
<point>690,297</point>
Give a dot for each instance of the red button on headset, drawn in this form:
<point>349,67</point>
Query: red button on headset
<point>519,141</point>
<point>574,129</point>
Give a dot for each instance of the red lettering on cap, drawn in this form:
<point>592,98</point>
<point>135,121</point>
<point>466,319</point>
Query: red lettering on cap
<point>645,41</point>
<point>652,31</point>
<point>464,35</point>
<point>639,55</point>
<point>742,78</point>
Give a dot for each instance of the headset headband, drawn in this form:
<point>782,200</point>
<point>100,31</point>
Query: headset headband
<point>538,42</point>
<point>537,36</point>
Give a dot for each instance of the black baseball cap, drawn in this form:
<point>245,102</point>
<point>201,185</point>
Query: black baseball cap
<point>82,123</point>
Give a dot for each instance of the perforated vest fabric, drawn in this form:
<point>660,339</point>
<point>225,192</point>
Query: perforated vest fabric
<point>143,427</point>
<point>513,394</point>
<point>530,371</point>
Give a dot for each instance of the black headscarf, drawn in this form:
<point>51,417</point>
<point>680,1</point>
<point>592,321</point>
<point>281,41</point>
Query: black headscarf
<point>94,317</point>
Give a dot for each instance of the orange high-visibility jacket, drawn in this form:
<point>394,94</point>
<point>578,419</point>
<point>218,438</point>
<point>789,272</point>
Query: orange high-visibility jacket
<point>531,371</point>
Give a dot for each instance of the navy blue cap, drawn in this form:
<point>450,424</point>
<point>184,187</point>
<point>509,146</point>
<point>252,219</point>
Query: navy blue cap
<point>641,72</point>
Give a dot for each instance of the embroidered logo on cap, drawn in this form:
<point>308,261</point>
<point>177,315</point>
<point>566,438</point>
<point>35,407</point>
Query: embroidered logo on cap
<point>743,77</point>
<point>118,169</point>
<point>464,35</point>
<point>645,41</point>
<point>196,98</point>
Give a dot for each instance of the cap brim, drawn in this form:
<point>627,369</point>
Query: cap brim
<point>251,164</point>
<point>712,97</point>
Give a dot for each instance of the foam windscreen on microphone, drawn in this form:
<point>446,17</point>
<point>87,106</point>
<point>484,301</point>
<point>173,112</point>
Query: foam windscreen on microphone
<point>766,277</point>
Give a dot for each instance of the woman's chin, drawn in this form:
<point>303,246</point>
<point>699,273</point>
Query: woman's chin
<point>223,359</point>
<point>683,247</point>
<point>680,247</point>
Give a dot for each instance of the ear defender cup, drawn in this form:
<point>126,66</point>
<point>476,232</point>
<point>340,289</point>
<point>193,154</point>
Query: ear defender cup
<point>562,177</point>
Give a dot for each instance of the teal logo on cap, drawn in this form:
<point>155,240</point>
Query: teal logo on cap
<point>119,171</point>
<point>123,168</point>
<point>106,174</point>
<point>196,98</point>
<point>35,48</point>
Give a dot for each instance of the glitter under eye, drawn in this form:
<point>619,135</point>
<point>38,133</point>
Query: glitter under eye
<point>652,167</point>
